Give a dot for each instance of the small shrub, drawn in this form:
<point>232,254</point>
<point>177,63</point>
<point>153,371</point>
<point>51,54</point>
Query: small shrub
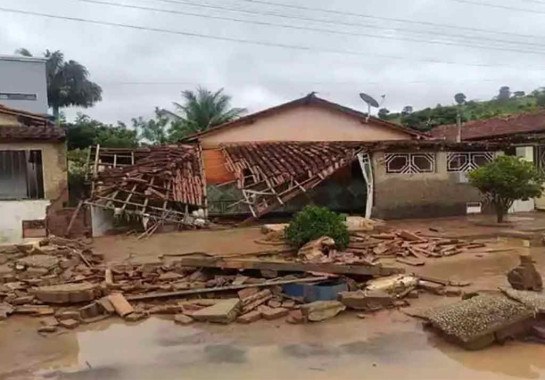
<point>314,222</point>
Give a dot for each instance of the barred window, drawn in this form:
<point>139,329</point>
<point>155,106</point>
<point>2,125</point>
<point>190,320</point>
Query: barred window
<point>21,174</point>
<point>467,161</point>
<point>407,163</point>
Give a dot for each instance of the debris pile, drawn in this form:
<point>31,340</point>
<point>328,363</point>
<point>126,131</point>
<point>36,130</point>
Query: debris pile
<point>165,185</point>
<point>368,246</point>
<point>408,247</point>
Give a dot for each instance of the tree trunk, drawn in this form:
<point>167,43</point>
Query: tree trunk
<point>500,212</point>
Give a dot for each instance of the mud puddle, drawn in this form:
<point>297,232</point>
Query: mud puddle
<point>385,345</point>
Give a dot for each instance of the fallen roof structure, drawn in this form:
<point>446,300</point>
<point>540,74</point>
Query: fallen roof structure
<point>270,174</point>
<point>163,183</point>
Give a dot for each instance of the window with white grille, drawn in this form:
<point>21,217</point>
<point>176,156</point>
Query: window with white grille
<point>408,163</point>
<point>467,161</point>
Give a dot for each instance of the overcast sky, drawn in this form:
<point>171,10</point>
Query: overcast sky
<point>140,69</point>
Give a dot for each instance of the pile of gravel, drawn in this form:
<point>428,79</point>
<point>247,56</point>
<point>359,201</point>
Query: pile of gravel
<point>473,318</point>
<point>533,300</point>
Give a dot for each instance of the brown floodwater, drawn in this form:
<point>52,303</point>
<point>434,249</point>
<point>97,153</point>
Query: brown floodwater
<point>382,346</point>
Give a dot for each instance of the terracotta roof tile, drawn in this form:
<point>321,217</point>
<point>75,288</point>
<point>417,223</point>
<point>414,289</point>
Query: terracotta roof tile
<point>496,127</point>
<point>25,132</point>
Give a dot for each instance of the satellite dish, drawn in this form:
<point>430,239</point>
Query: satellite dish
<point>370,101</point>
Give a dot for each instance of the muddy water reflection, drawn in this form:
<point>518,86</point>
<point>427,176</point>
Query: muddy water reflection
<point>159,349</point>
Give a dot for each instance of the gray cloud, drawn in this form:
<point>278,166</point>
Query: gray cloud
<point>139,70</point>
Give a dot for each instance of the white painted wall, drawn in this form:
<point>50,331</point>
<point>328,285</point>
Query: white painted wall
<point>12,214</point>
<point>527,154</point>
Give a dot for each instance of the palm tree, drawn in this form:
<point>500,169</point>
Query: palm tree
<point>67,82</point>
<point>203,109</point>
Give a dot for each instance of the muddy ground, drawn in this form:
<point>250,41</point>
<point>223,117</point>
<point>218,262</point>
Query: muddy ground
<point>383,345</point>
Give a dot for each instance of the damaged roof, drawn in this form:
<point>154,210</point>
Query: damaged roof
<point>493,128</point>
<point>270,174</point>
<point>310,99</point>
<point>28,126</point>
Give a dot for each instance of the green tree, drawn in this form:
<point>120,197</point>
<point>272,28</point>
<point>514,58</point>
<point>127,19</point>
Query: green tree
<point>504,93</point>
<point>383,113</point>
<point>158,130</point>
<point>85,131</point>
<point>203,109</point>
<point>505,180</point>
<point>68,82</point>
<point>460,98</point>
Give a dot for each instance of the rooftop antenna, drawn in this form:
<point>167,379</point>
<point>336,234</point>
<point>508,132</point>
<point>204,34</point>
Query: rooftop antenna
<point>370,101</point>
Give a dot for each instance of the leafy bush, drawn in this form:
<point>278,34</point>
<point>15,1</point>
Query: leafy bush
<point>505,180</point>
<point>314,222</point>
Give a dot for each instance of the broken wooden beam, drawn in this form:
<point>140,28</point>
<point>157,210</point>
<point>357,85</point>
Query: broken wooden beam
<point>181,293</point>
<point>289,266</point>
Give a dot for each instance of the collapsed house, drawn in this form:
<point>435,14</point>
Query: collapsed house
<point>157,185</point>
<point>282,158</point>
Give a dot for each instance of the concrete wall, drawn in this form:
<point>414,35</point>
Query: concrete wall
<point>14,212</point>
<point>20,75</point>
<point>304,123</point>
<point>54,164</point>
<point>419,195</point>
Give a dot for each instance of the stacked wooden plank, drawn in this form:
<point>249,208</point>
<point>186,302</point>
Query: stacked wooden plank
<point>166,181</point>
<point>270,174</point>
<point>408,247</point>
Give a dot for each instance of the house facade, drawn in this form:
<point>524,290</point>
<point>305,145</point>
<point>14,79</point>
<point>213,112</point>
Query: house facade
<point>395,172</point>
<point>23,83</point>
<point>33,173</point>
<point>522,134</point>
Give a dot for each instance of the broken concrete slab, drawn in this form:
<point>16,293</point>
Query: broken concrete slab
<point>366,300</point>
<point>49,321</point>
<point>68,293</point>
<point>34,310</point>
<point>250,317</point>
<point>121,306</point>
<point>396,285</point>
<point>47,329</point>
<point>182,319</point>
<point>270,313</point>
<point>321,310</point>
<point>47,262</point>
<point>106,305</point>
<point>69,323</point>
<point>253,301</point>
<point>222,312</point>
<point>92,310</point>
<point>67,314</point>
<point>432,287</point>
<point>533,300</point>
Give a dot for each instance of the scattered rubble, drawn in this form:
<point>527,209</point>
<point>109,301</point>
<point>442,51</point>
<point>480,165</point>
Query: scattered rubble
<point>321,310</point>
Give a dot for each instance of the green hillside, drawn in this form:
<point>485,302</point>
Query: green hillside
<point>505,103</point>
